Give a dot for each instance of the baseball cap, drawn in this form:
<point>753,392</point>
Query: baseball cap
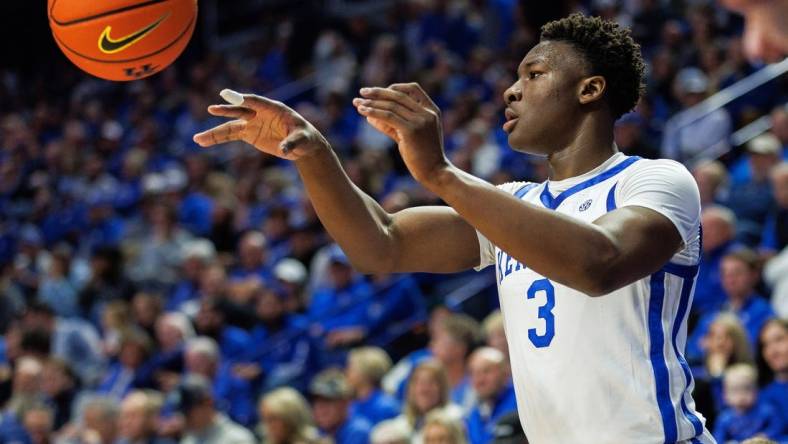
<point>193,390</point>
<point>508,430</point>
<point>764,144</point>
<point>330,384</point>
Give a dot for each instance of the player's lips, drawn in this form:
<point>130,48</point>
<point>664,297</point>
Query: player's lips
<point>511,120</point>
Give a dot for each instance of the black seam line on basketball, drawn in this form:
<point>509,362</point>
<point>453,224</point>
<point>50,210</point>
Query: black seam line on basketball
<point>190,26</point>
<point>103,14</point>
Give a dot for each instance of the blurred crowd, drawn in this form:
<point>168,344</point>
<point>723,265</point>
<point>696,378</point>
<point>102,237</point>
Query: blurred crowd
<point>151,292</point>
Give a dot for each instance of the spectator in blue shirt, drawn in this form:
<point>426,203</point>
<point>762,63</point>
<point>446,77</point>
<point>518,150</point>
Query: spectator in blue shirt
<point>197,254</point>
<point>252,258</point>
<point>739,276</point>
<point>331,399</point>
<point>283,352</point>
<point>397,308</point>
<point>719,230</point>
<point>745,417</point>
<point>233,342</point>
<point>494,393</point>
<point>340,310</point>
<point>751,199</point>
<point>774,340</point>
<point>232,395</point>
<point>366,366</point>
<point>124,375</point>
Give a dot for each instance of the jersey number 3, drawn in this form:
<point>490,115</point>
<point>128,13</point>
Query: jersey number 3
<point>545,312</point>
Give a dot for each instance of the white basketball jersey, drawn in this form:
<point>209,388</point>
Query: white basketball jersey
<point>605,369</point>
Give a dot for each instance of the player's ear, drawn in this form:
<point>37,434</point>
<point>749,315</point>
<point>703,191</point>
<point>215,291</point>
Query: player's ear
<point>591,89</point>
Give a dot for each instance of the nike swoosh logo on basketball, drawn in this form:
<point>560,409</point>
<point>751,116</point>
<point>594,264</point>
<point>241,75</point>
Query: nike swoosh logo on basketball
<point>108,45</point>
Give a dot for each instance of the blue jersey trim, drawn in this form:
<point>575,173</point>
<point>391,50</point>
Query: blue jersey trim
<point>611,198</point>
<point>686,289</point>
<point>553,202</point>
<point>657,356</point>
<point>524,189</point>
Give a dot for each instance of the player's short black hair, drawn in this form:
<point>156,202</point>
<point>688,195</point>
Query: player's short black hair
<point>611,53</point>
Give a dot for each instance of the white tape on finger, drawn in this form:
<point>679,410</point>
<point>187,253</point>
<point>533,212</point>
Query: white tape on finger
<point>232,97</point>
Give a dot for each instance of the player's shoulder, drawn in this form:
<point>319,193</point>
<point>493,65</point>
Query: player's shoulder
<point>667,171</point>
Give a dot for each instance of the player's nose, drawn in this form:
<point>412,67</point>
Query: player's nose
<point>512,94</point>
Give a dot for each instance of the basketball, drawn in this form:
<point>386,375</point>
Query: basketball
<point>122,39</point>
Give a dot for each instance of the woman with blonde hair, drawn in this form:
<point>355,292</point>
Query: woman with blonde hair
<point>286,418</point>
<point>427,390</point>
<point>726,344</point>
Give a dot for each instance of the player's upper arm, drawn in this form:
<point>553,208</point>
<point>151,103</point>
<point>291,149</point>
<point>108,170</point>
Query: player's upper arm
<point>658,216</point>
<point>438,240</point>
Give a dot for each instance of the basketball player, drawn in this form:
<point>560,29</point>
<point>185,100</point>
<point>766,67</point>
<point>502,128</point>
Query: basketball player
<point>595,267</point>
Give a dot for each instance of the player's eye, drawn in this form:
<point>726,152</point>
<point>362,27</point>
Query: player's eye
<point>534,74</point>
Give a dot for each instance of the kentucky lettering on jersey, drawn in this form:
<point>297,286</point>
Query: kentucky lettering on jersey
<point>607,369</point>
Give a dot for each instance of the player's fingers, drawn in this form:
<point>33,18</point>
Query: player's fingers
<point>383,127</point>
<point>386,116</point>
<point>415,91</point>
<point>387,105</point>
<point>232,111</point>
<point>226,132</point>
<point>403,99</point>
<point>260,103</point>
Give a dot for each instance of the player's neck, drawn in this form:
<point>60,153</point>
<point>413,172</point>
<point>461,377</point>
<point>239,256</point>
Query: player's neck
<point>591,146</point>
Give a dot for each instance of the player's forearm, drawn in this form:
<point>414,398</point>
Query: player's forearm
<point>581,256</point>
<point>352,218</point>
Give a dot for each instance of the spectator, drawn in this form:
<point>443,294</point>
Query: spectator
<point>774,340</point>
<point>494,393</point>
<point>751,198</point>
<point>285,354</point>
<point>687,136</point>
<point>38,421</point>
<point>739,270</point>
<point>252,258</point>
<point>712,179</point>
<point>452,338</point>
<point>744,418</point>
<point>286,418</point>
<point>719,229</point>
<point>160,250</point>
<point>440,428</point>
<point>203,423</point>
<point>231,394</point>
<point>331,406</point>
<point>365,369</point>
<point>73,340</point>
<point>494,334</point>
<point>107,282</point>
<point>57,288</point>
<point>339,311</point>
<point>124,375</point>
<point>59,384</point>
<point>197,255</point>
<point>210,321</point>
<point>428,389</point>
<point>97,423</point>
<point>137,422</point>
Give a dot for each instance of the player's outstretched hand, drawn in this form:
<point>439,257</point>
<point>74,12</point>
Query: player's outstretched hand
<point>406,114</point>
<point>269,125</point>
